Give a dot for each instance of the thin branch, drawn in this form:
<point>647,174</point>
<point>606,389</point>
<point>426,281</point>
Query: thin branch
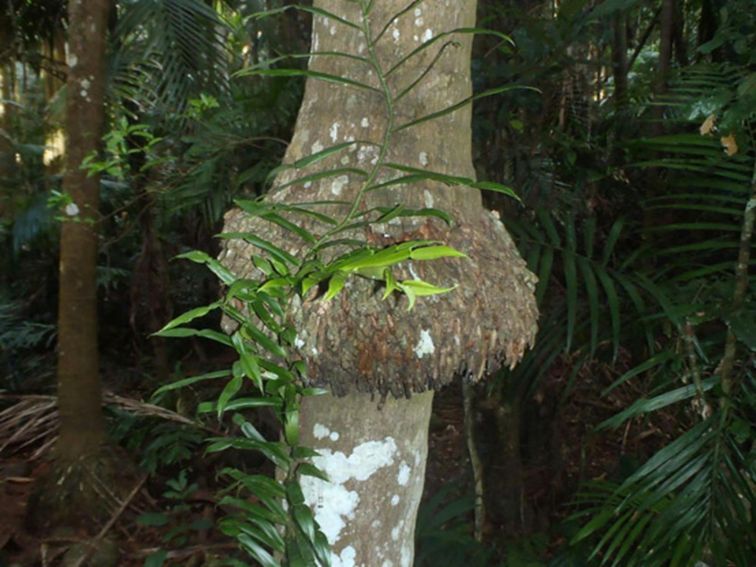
<point>468,394</point>
<point>741,285</point>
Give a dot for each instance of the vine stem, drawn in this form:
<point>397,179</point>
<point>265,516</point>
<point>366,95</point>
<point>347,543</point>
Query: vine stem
<point>388,100</point>
<point>741,285</point>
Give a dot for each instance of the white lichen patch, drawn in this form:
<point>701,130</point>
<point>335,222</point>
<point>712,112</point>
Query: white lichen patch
<point>345,558</point>
<point>397,530</point>
<point>333,503</point>
<point>395,34</point>
<point>298,342</point>
<point>334,436</point>
<point>427,35</point>
<point>428,199</point>
<point>72,209</point>
<point>395,500</point>
<point>316,147</point>
<point>334,131</point>
<point>404,474</point>
<point>424,346</point>
<point>365,122</point>
<point>367,153</point>
<point>320,431</point>
<point>338,184</point>
<point>423,158</point>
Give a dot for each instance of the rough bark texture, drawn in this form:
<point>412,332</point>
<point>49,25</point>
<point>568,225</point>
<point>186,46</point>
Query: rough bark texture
<point>79,396</point>
<point>375,459</point>
<point>358,342</point>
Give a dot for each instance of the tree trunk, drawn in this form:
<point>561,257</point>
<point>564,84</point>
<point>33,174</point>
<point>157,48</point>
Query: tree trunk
<point>374,455</point>
<point>374,449</point>
<point>619,62</point>
<point>666,29</point>
<point>79,396</point>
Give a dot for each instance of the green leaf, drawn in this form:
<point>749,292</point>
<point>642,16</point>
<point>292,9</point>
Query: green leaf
<point>388,213</point>
<point>591,288</point>
<point>192,380</point>
<point>419,288</point>
<point>435,252</point>
<point>316,157</point>
<point>426,44</point>
<point>259,553</point>
<point>335,285</point>
<point>190,315</point>
<point>261,243</point>
<point>183,332</point>
<point>317,75</point>
<point>305,521</point>
<point>417,174</point>
<point>254,334</point>
<point>643,405</point>
<point>614,307</point>
<point>199,257</point>
<point>461,104</point>
<point>308,469</point>
<point>229,391</point>
<point>291,425</point>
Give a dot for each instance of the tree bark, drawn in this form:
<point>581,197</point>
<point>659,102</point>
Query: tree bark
<point>374,455</point>
<point>82,425</point>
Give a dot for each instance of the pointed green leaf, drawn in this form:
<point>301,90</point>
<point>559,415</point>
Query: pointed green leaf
<point>190,315</point>
<point>435,252</point>
<point>335,285</point>
<point>230,390</point>
<point>309,74</point>
<point>461,104</point>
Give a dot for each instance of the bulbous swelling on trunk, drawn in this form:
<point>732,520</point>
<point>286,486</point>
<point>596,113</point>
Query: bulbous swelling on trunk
<point>358,342</point>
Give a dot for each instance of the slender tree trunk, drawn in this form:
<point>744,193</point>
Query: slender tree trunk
<point>678,35</point>
<point>79,395</point>
<point>666,31</point>
<point>619,61</point>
